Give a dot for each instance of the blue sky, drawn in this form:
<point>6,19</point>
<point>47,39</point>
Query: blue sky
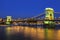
<point>26,8</point>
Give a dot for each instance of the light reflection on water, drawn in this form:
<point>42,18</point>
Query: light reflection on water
<point>34,33</point>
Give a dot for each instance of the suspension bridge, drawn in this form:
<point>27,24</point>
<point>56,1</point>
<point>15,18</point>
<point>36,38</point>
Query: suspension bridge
<point>48,17</point>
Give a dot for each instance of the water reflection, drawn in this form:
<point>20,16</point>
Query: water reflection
<point>30,33</point>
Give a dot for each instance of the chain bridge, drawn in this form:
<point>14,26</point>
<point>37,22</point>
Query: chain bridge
<point>47,17</point>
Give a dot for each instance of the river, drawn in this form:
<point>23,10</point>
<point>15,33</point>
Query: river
<point>28,33</point>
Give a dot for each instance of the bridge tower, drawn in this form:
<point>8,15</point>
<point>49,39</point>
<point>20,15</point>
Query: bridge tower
<point>49,15</point>
<point>8,20</point>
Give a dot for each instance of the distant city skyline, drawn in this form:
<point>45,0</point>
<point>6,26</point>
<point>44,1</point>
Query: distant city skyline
<point>26,8</point>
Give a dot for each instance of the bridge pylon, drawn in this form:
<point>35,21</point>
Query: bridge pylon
<point>8,20</point>
<point>49,15</point>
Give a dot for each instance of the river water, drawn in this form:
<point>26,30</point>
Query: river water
<point>28,33</point>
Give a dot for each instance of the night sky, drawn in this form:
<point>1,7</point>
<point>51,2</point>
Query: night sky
<point>26,8</point>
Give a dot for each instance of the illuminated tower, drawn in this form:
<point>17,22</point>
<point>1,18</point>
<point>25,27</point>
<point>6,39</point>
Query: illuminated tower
<point>8,20</point>
<point>49,13</point>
